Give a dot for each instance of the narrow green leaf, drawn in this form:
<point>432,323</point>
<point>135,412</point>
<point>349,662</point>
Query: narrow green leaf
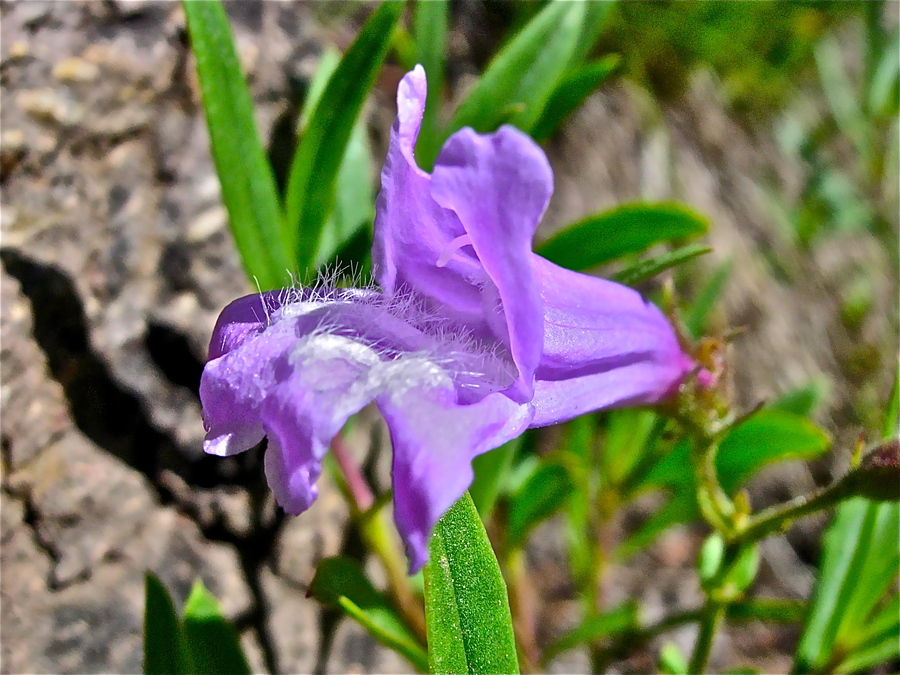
<point>596,15</point>
<point>885,650</point>
<point>341,582</point>
<point>542,495</point>
<point>248,185</point>
<point>577,454</point>
<point>622,618</point>
<point>774,610</point>
<point>314,171</point>
<point>213,642</point>
<point>627,229</point>
<point>706,300</point>
<point>466,604</point>
<point>525,72</point>
<point>891,427</point>
<point>859,567</point>
<point>571,93</point>
<point>491,471</point>
<point>383,625</point>
<point>681,508</point>
<point>353,204</point>
<point>430,18</point>
<point>647,269</point>
<point>165,649</point>
<point>672,661</point>
<point>884,85</point>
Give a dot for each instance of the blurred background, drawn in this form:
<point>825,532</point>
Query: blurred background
<point>777,121</point>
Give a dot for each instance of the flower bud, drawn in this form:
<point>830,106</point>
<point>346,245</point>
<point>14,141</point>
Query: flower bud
<point>878,475</point>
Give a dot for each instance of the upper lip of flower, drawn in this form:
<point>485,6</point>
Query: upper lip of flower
<point>468,340</point>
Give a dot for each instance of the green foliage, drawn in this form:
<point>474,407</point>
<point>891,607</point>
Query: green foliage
<point>542,495</point>
<point>706,299</point>
<point>353,204</point>
<point>627,229</point>
<point>854,617</point>
<point>248,184</point>
<point>491,474</point>
<point>804,400</point>
<point>768,436</point>
<point>647,269</point>
<point>203,641</point>
<point>314,171</point>
<point>618,620</point>
<point>165,649</point>
<point>212,640</point>
<point>671,660</point>
<point>523,76</point>
<point>466,604</point>
<point>430,26</point>
<point>341,582</point>
<point>571,93</point>
<point>757,50</point>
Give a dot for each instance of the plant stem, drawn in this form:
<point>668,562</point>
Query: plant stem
<point>371,520</point>
<point>716,506</point>
<point>360,493</point>
<point>778,517</point>
<point>522,601</point>
<point>713,613</point>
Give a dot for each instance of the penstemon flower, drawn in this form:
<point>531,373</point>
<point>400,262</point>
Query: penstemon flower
<point>469,339</point>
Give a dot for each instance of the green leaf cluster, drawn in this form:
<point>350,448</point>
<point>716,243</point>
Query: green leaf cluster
<point>201,641</point>
<point>329,187</point>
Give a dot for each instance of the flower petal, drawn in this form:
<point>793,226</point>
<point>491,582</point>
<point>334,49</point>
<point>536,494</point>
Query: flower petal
<point>411,229</point>
<point>605,346</point>
<point>330,380</point>
<point>243,319</point>
<point>499,185</point>
<point>434,441</point>
<point>234,385</point>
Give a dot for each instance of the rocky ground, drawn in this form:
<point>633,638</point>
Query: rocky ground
<point>117,258</point>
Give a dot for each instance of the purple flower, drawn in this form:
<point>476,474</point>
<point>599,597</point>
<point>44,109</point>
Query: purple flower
<point>469,339</point>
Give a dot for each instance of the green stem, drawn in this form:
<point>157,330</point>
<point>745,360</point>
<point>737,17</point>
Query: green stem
<point>716,506</point>
<point>628,642</point>
<point>777,518</point>
<point>374,529</point>
<point>713,614</point>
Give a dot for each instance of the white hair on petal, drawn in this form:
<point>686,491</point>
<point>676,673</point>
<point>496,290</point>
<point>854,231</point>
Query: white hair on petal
<point>427,344</point>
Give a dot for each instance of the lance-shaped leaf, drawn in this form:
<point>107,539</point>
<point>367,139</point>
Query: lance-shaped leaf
<point>314,170</point>
<point>631,228</point>
<point>853,621</point>
<point>466,603</point>
<point>212,640</point>
<point>647,269</point>
<point>353,205</point>
<point>571,93</point>
<point>522,76</point>
<point>430,20</point>
<point>248,185</point>
<point>165,648</point>
<point>341,582</point>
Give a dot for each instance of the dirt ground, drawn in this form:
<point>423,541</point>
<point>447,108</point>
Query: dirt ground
<point>117,259</point>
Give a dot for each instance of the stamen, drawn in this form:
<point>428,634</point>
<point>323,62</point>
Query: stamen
<point>451,249</point>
